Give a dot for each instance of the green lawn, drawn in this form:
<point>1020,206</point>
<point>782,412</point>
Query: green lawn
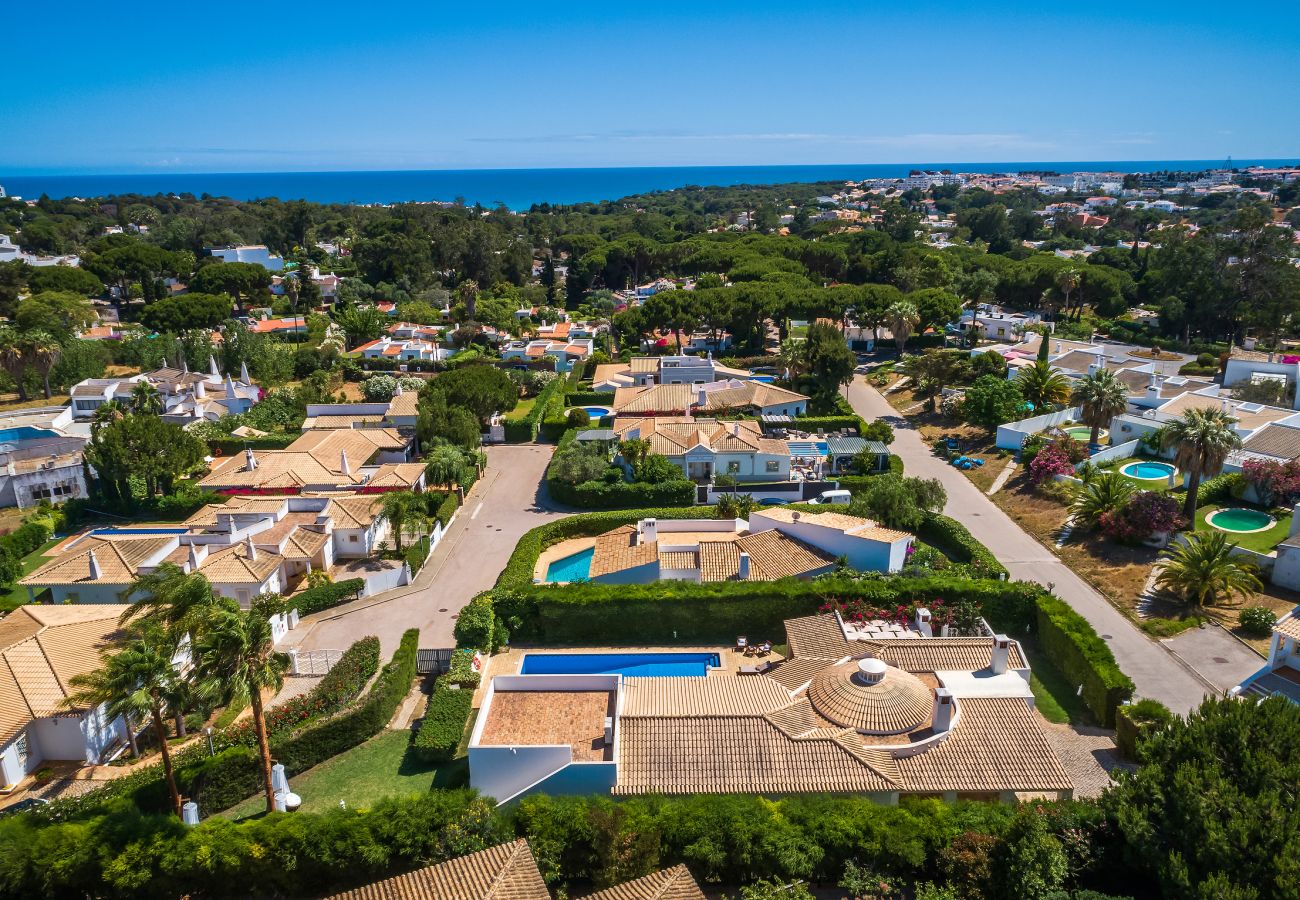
<point>1161,486</point>
<point>521,410</point>
<point>381,767</point>
<point>16,596</point>
<point>1259,541</point>
<point>1055,697</point>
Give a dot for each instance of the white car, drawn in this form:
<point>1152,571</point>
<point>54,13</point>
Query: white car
<point>832,497</point>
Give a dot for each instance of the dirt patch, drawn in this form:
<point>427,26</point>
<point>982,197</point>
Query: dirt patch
<point>971,440</point>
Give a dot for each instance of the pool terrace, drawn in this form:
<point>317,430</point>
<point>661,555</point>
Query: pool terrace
<point>1259,541</point>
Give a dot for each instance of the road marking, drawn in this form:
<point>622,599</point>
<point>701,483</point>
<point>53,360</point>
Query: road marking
<point>477,510</point>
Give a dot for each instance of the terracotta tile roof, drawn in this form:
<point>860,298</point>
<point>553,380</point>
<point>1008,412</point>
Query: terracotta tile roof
<point>1245,419</point>
<point>303,543</point>
<point>673,436</point>
<point>998,745</point>
<point>119,560</point>
<point>618,550</point>
<point>232,565</point>
<point>402,475</point>
<point>405,404</point>
<point>42,648</point>
<point>896,704</point>
<point>360,443</point>
<point>944,654</point>
<point>354,511</point>
<point>679,559</point>
<point>671,398</point>
<point>669,884</point>
<point>792,674</point>
<point>818,636</point>
<point>1280,441</point>
<point>854,525</point>
<point>1288,625</point>
<point>720,696</point>
<point>550,718</point>
<point>504,872</point>
<point>339,421</point>
<point>207,515</point>
<point>774,555</point>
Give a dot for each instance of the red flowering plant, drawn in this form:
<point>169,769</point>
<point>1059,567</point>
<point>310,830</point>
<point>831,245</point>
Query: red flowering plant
<point>1142,515</point>
<point>1052,460</point>
<point>859,611</point>
<point>1274,481</point>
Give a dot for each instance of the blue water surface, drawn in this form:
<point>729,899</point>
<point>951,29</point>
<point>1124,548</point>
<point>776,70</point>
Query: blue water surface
<point>643,664</point>
<point>809,448</point>
<point>1151,470</point>
<point>24,433</point>
<point>572,568</point>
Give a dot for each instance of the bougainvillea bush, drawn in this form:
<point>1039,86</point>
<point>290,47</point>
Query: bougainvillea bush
<point>1053,459</point>
<point>1142,515</point>
<point>1275,481</point>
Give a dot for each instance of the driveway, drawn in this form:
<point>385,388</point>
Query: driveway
<point>504,504</point>
<point>1156,671</point>
<point>1219,657</point>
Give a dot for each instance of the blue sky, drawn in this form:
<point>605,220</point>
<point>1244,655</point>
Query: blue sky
<point>151,87</point>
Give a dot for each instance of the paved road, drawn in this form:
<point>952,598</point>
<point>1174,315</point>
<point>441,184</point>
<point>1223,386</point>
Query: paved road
<point>1155,671</point>
<point>500,508</point>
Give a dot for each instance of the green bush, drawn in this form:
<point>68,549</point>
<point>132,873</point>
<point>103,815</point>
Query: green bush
<point>324,596</point>
<point>446,509</point>
<point>589,398</point>
<point>234,445</point>
<point>1220,487</point>
<point>1134,720</point>
<point>26,538</point>
<point>443,724</point>
<point>549,403</point>
<point>959,545</point>
<point>601,495</point>
<point>461,670</point>
<point>1082,657</point>
<point>476,624</point>
<point>1257,621</point>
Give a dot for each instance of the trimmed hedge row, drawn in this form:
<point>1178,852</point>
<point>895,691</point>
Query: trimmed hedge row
<point>523,431</point>
<point>589,398</point>
<point>858,482</point>
<point>446,509</point>
<point>1082,656</point>
<point>1132,722</point>
<point>599,495</point>
<point>324,596</point>
<point>476,625</point>
<point>959,545</point>
<point>233,445</point>
<point>443,724</point>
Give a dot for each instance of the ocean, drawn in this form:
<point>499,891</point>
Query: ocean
<point>521,188</point>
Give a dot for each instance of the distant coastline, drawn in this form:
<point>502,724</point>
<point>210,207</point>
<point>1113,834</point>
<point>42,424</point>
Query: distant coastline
<point>520,188</point>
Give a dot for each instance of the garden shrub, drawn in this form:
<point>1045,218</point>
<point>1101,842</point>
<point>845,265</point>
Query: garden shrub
<point>1136,719</point>
<point>1220,487</point>
<point>443,723</point>
<point>588,398</point>
<point>461,670</point>
<point>446,509</point>
<point>1082,657</point>
<point>959,545</point>
<point>1143,514</point>
<point>1257,621</point>
<point>475,626</point>
<point>26,538</point>
<point>1051,460</point>
<point>324,596</point>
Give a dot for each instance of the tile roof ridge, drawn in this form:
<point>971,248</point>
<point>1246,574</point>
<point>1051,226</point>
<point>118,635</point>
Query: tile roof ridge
<point>13,676</point>
<point>882,762</point>
<point>520,845</point>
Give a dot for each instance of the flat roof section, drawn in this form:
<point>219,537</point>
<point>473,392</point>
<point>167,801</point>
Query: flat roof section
<point>548,718</point>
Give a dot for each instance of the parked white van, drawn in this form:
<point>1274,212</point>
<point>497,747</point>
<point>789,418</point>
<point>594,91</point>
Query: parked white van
<point>833,497</point>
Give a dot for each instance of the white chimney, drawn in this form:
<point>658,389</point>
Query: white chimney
<point>252,550</point>
<point>199,390</point>
<point>609,731</point>
<point>941,721</point>
<point>1058,347</point>
<point>1001,654</point>
<point>743,572</point>
<point>649,531</point>
<point>230,389</point>
<point>871,670</point>
<point>703,398</point>
<point>250,461</point>
<point>343,463</point>
<point>194,558</point>
<point>397,391</point>
<point>96,572</point>
<point>923,621</point>
<point>212,367</point>
<point>185,365</point>
<point>243,373</point>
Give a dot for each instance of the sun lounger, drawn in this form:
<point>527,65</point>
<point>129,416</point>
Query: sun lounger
<point>756,669</point>
<point>741,643</point>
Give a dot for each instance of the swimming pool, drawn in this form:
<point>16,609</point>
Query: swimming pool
<point>1084,433</point>
<point>24,433</point>
<point>809,449</point>
<point>641,664</point>
<point>1148,471</point>
<point>766,379</point>
<point>128,532</point>
<point>571,568</point>
<point>598,412</point>
<point>1239,520</point>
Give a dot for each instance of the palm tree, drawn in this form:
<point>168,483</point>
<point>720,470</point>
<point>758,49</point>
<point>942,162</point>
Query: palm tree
<point>1100,495</point>
<point>903,318</point>
<point>1100,397</point>
<point>13,359</point>
<point>398,508</point>
<point>1067,281</point>
<point>1203,438</point>
<point>1043,386</point>
<point>171,599</point>
<point>793,357</point>
<point>146,399</point>
<point>43,352</point>
<point>135,680</point>
<point>444,466</point>
<point>1204,571</point>
<point>109,413</point>
<point>236,660</point>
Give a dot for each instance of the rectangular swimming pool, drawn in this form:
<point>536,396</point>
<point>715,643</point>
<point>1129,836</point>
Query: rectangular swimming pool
<point>572,568</point>
<point>644,664</point>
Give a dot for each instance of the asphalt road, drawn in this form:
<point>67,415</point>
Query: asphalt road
<point>503,505</point>
<point>1156,672</point>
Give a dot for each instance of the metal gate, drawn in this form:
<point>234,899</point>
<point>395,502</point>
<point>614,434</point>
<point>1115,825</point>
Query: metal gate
<point>432,662</point>
<point>313,662</point>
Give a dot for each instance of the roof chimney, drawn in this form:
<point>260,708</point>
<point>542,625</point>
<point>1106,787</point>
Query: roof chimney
<point>343,463</point>
<point>250,461</point>
<point>1001,654</point>
<point>941,720</point>
<point>252,551</point>
<point>648,531</point>
<point>230,389</point>
<point>871,670</point>
<point>243,373</point>
<point>397,391</point>
<point>703,398</point>
<point>96,572</point>
<point>199,390</point>
<point>194,558</point>
<point>212,367</point>
<point>185,365</point>
<point>743,572</point>
<point>923,621</point>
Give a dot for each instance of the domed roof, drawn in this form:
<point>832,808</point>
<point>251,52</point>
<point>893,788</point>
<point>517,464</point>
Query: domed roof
<point>871,697</point>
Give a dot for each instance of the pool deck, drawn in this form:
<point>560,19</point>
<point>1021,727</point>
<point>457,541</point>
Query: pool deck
<point>569,547</point>
<point>509,662</point>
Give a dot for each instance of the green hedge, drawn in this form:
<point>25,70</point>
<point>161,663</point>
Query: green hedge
<point>231,446</point>
<point>446,509</point>
<point>1131,722</point>
<point>589,398</point>
<point>324,596</point>
<point>461,670</point>
<point>523,431</point>
<point>476,625</point>
<point>1219,488</point>
<point>1080,654</point>
<point>599,495</point>
<point>443,723</point>
<point>959,545</point>
<point>858,482</point>
<point>829,423</point>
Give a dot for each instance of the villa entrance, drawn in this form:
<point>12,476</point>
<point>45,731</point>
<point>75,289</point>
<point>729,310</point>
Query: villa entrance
<point>699,471</point>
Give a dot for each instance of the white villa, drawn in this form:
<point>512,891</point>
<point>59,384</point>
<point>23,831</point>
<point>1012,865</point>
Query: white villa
<point>187,396</point>
<point>1280,675</point>
<point>257,254</point>
<point>370,460</point>
<point>731,395</point>
<point>703,448</point>
<point>641,371</point>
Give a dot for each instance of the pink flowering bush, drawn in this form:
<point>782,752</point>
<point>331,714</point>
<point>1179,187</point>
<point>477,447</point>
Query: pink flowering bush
<point>1274,481</point>
<point>1052,460</point>
<point>1142,515</point>
<point>942,612</point>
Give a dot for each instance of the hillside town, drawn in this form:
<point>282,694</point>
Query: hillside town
<point>662,547</point>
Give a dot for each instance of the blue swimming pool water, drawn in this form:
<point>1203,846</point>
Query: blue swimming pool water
<point>24,433</point>
<point>766,379</point>
<point>643,664</point>
<point>1150,470</point>
<point>597,412</point>
<point>808,448</point>
<point>103,532</point>
<point>571,568</point>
